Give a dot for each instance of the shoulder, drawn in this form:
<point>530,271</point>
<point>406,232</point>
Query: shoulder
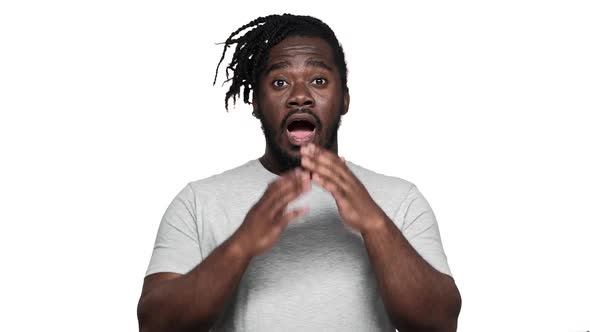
<point>226,181</point>
<point>389,192</point>
<point>381,183</point>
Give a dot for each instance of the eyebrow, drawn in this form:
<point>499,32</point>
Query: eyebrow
<point>308,63</point>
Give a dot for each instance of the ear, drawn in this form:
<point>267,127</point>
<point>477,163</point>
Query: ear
<point>346,103</point>
<point>255,107</point>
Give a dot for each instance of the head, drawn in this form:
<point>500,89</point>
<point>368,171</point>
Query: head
<point>294,67</point>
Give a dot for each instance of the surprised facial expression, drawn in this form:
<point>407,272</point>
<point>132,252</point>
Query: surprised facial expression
<point>300,97</point>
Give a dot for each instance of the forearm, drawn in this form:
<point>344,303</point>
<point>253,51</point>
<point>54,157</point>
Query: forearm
<point>195,300</point>
<point>416,296</point>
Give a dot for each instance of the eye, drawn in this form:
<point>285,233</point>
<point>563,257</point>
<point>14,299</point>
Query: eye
<point>320,81</point>
<point>279,83</point>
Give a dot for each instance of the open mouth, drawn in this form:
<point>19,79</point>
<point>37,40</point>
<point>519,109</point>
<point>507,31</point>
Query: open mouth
<point>300,131</point>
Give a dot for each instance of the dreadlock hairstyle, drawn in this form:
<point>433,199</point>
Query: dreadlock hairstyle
<point>252,49</point>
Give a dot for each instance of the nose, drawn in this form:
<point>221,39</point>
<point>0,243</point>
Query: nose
<point>300,96</point>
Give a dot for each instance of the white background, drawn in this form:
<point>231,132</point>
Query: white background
<point>108,110</point>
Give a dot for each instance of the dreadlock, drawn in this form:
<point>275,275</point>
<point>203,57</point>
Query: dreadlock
<point>252,49</point>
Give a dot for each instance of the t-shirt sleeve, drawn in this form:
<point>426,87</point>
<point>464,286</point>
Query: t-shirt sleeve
<point>420,228</point>
<point>177,247</point>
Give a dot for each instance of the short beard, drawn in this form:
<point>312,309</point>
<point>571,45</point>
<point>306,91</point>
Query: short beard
<point>285,160</point>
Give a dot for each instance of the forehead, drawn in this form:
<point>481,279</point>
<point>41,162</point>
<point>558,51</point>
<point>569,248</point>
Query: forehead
<point>301,46</point>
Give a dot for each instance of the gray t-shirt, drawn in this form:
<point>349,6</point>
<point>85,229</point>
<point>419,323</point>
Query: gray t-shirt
<point>317,276</point>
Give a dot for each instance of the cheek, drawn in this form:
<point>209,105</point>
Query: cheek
<point>330,95</point>
<point>329,104</point>
<point>273,100</point>
<point>272,116</point>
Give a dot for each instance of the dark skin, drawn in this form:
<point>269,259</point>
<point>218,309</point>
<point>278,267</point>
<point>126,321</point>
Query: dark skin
<point>304,76</point>
<point>417,297</point>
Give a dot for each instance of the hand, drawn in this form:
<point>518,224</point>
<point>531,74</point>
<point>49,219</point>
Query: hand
<point>356,207</point>
<point>267,219</point>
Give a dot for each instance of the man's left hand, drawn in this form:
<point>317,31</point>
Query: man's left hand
<point>356,206</point>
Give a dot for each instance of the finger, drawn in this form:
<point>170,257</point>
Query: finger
<point>334,163</point>
<point>292,215</point>
<point>334,188</point>
<point>327,174</point>
<point>288,191</point>
<point>280,204</point>
<point>331,161</point>
<point>281,184</point>
<point>273,191</point>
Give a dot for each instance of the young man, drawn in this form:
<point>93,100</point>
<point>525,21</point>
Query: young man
<point>234,252</point>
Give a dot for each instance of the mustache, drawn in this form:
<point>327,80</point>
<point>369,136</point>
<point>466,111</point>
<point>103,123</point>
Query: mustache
<point>301,111</point>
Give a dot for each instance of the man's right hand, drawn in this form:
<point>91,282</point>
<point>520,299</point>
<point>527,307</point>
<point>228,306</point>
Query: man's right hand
<point>267,219</point>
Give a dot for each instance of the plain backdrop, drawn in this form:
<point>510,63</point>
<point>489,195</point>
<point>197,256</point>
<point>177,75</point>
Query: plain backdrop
<point>108,110</point>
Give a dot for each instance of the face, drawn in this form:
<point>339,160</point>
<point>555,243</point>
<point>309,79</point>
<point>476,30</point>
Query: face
<point>300,78</point>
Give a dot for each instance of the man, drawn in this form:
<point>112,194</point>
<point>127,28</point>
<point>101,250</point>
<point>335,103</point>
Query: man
<point>299,239</point>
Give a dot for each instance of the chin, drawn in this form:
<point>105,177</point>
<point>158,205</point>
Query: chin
<point>287,157</point>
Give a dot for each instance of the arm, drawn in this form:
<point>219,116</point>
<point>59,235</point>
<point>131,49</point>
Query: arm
<point>195,300</point>
<point>175,302</point>
<point>416,296</point>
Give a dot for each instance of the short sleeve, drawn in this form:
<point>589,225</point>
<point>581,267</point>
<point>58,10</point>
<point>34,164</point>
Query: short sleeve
<point>420,228</point>
<point>177,247</point>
